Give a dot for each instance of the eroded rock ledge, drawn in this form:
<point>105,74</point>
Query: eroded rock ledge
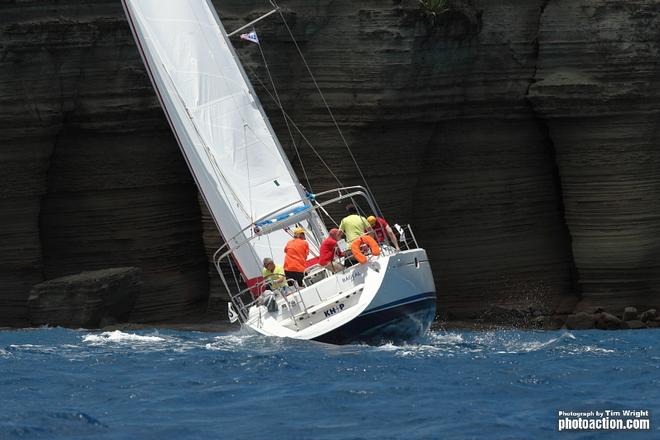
<point>86,300</point>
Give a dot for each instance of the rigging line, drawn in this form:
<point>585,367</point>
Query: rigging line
<point>247,166</point>
<point>293,123</point>
<point>217,169</point>
<point>224,42</point>
<point>270,246</point>
<point>254,100</point>
<point>314,248</point>
<point>279,104</point>
<point>234,32</point>
<point>209,153</point>
<point>327,106</point>
<point>326,213</point>
<point>315,151</point>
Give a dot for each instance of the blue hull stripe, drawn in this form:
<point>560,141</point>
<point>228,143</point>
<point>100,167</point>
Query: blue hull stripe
<point>411,299</point>
<point>403,322</point>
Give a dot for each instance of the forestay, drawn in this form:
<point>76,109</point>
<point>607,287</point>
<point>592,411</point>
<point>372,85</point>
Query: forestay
<point>226,138</point>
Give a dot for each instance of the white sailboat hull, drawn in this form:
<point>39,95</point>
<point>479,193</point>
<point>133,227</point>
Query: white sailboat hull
<point>255,197</point>
<point>392,298</point>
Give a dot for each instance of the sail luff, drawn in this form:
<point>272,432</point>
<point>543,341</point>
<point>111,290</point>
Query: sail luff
<point>245,257</point>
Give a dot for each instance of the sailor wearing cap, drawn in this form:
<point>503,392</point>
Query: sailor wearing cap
<point>296,252</point>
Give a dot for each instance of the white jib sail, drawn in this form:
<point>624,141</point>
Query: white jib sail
<point>220,125</point>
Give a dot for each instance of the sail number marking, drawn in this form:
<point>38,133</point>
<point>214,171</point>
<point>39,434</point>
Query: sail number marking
<point>334,310</point>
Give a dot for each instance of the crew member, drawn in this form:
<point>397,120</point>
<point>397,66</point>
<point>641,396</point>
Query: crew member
<point>329,250</point>
<point>295,256</point>
<point>273,274</point>
<point>382,228</point>
<point>353,225</point>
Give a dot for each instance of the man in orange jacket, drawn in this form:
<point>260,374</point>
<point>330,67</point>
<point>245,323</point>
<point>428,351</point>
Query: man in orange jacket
<point>295,256</point>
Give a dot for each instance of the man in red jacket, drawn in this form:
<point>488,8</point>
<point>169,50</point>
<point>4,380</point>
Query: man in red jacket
<point>329,250</point>
<point>382,229</point>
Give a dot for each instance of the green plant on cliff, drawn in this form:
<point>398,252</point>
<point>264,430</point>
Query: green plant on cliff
<point>434,8</point>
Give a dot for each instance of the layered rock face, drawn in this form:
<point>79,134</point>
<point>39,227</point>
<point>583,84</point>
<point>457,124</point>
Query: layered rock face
<point>86,300</point>
<point>438,117</point>
<point>92,177</point>
<point>517,137</point>
<point>597,87</point>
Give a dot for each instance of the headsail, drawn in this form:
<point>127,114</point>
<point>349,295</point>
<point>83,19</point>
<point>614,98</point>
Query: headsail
<point>219,123</point>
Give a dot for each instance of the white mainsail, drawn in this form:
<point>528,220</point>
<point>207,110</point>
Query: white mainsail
<point>219,123</point>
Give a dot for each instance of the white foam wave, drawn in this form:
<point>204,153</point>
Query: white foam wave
<point>590,349</point>
<point>416,350</point>
<point>248,340</point>
<point>512,342</point>
<point>388,347</point>
<point>118,336</point>
<point>496,342</point>
<point>34,348</point>
<point>540,345</point>
<point>562,342</point>
<point>446,338</point>
<point>232,342</point>
<point>422,351</point>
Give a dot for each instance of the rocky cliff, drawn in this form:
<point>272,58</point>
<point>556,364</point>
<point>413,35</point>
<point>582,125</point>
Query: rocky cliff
<point>518,137</point>
<point>86,300</point>
<point>91,176</point>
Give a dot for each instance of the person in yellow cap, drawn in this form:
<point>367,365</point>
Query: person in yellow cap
<point>296,252</point>
<point>353,225</point>
<point>382,229</point>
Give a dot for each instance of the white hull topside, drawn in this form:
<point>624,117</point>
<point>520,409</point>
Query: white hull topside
<point>389,289</point>
<point>254,195</point>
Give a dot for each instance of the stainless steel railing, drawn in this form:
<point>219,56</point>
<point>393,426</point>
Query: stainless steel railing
<point>244,298</point>
<point>406,237</point>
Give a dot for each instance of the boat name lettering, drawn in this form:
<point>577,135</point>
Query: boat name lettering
<point>334,310</point>
<point>352,276</point>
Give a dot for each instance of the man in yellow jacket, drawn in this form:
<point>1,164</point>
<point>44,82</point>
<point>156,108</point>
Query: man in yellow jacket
<point>353,225</point>
<point>273,274</point>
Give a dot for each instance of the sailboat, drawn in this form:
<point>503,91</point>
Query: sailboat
<point>256,199</point>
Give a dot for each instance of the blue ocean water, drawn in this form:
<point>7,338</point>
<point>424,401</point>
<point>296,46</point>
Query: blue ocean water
<point>67,384</point>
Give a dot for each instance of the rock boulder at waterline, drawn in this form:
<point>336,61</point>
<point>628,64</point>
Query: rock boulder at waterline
<point>86,300</point>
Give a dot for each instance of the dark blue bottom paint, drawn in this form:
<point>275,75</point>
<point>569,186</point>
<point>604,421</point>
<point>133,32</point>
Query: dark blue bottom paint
<point>401,323</point>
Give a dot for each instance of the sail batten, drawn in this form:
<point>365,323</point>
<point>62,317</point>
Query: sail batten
<point>228,143</point>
